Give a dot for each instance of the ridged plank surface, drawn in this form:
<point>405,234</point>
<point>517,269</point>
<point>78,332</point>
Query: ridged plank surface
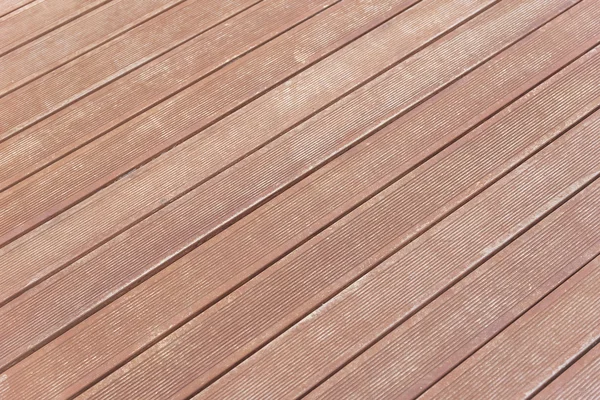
<point>81,173</point>
<point>246,319</point>
<point>580,381</point>
<point>426,347</point>
<point>292,217</point>
<point>535,348</point>
<point>174,173</point>
<point>71,40</point>
<point>38,18</point>
<point>190,219</point>
<point>8,6</point>
<point>111,61</point>
<point>333,334</point>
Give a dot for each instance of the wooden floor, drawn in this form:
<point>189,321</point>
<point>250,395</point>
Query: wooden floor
<point>340,199</point>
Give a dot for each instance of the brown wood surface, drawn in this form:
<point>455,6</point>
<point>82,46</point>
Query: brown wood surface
<point>299,199</point>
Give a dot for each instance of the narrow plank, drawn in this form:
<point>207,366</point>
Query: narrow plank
<point>226,333</point>
<point>532,350</point>
<point>29,23</point>
<point>336,332</point>
<point>580,381</point>
<point>292,217</point>
<point>422,350</point>
<point>181,116</point>
<point>174,174</point>
<point>73,81</point>
<point>8,6</point>
<point>74,39</point>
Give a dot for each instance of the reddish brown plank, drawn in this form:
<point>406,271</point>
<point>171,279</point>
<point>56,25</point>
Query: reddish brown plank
<point>31,22</point>
<point>189,111</point>
<point>134,48</point>
<point>72,40</point>
<point>580,381</point>
<point>8,6</point>
<point>426,347</point>
<point>246,319</point>
<point>172,174</point>
<point>290,218</point>
<point>336,332</point>
<point>534,348</point>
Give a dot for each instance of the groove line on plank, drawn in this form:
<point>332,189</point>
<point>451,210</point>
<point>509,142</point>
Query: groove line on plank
<point>557,307</point>
<point>64,22</point>
<point>186,192</point>
<point>120,75</point>
<point>67,59</point>
<point>563,368</point>
<point>459,277</point>
<point>5,239</point>
<point>8,10</point>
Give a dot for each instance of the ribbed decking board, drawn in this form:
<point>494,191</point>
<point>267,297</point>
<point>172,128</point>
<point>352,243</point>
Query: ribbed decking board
<point>283,199</point>
<point>521,359</point>
<point>427,346</point>
<point>74,39</point>
<point>163,177</point>
<point>36,19</point>
<point>342,174</point>
<point>183,115</point>
<point>393,290</point>
<point>185,222</point>
<point>285,292</point>
<point>580,381</point>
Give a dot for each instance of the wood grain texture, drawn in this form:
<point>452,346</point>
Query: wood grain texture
<point>183,115</point>
<point>38,18</point>
<point>74,39</point>
<point>172,174</point>
<point>533,349</point>
<point>8,6</point>
<point>199,213</point>
<point>427,346</point>
<point>403,283</point>
<point>292,217</point>
<point>293,287</point>
<point>81,77</point>
<point>580,381</point>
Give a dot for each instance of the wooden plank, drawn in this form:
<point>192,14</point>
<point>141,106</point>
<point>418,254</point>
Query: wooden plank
<point>174,174</point>
<point>29,23</point>
<point>291,218</point>
<point>191,110</point>
<point>74,39</point>
<point>532,350</point>
<point>8,6</point>
<point>226,333</point>
<point>580,381</point>
<point>392,291</point>
<point>142,44</point>
<point>422,350</point>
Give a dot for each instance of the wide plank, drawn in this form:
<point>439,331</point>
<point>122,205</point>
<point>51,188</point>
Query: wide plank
<point>291,218</point>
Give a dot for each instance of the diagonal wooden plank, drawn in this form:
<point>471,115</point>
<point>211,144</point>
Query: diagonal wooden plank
<point>534,348</point>
<point>580,381</point>
<point>8,6</point>
<point>112,20</point>
<point>242,322</point>
<point>290,218</point>
<point>178,171</point>
<point>191,110</point>
<point>39,18</point>
<point>66,84</point>
<point>336,332</point>
<point>422,350</point>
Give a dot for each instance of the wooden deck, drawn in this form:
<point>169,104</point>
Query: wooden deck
<point>321,199</point>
